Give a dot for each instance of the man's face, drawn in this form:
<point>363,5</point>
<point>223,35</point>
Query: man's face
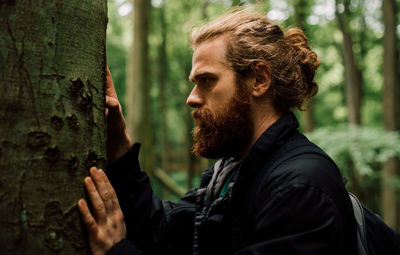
<point>222,112</point>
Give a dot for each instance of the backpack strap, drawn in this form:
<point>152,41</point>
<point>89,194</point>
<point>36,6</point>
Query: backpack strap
<point>361,229</point>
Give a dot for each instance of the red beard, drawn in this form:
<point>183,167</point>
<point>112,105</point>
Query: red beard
<point>223,134</point>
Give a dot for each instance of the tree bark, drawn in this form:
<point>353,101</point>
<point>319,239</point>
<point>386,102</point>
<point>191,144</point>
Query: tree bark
<point>391,111</point>
<point>52,122</point>
<point>138,87</point>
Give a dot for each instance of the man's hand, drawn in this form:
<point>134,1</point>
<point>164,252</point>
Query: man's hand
<point>107,227</point>
<point>118,140</point>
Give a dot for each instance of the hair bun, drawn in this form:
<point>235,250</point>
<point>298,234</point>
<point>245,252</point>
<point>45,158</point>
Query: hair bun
<point>307,59</point>
<point>299,40</point>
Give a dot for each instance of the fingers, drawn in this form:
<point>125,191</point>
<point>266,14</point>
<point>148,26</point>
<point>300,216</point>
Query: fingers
<point>110,90</point>
<point>97,202</point>
<point>114,198</point>
<point>106,227</point>
<point>112,104</point>
<point>87,217</point>
<point>104,189</point>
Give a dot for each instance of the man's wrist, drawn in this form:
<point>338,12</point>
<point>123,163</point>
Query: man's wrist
<point>119,150</point>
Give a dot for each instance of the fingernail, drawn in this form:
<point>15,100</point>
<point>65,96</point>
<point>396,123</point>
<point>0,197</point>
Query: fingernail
<point>93,170</point>
<point>88,180</point>
<point>81,202</point>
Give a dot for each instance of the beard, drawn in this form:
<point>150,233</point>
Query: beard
<point>227,132</point>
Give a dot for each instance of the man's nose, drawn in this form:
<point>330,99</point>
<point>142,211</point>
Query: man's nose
<point>194,99</point>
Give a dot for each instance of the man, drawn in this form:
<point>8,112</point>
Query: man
<point>248,75</point>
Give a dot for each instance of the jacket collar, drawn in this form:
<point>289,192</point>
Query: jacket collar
<point>272,138</point>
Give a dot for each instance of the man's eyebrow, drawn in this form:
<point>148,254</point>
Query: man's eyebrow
<point>197,76</point>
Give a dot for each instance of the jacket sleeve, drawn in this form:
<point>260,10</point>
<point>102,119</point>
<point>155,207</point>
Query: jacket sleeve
<point>149,220</point>
<point>125,247</point>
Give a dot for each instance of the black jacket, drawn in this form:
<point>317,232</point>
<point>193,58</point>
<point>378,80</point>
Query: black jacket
<point>299,207</point>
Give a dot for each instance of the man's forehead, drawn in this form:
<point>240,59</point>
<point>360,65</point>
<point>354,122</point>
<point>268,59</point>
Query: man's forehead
<point>215,45</point>
<point>208,56</point>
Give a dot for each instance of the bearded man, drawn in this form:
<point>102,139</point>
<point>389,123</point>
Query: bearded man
<point>261,196</point>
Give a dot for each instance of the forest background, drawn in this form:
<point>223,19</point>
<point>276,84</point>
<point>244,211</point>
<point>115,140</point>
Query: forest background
<point>355,117</point>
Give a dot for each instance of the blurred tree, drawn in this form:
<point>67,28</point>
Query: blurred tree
<point>163,82</point>
<point>118,45</point>
<point>353,87</point>
<point>391,114</point>
<point>138,88</point>
<point>353,80</point>
<point>52,76</point>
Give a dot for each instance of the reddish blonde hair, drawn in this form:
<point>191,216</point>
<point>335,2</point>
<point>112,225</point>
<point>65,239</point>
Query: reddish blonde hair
<point>252,38</point>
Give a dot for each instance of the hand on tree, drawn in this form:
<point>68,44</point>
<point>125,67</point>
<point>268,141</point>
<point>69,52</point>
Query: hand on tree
<point>106,227</point>
<point>118,140</point>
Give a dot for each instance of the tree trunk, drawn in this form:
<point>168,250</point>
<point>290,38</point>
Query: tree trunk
<point>391,114</point>
<point>52,122</point>
<point>162,80</point>
<point>301,11</point>
<point>353,78</point>
<point>353,92</point>
<point>138,87</point>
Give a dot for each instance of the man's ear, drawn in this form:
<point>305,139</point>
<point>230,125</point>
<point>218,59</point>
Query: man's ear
<point>262,73</point>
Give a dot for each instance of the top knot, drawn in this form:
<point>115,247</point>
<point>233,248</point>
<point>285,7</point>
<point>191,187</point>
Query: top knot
<point>305,55</point>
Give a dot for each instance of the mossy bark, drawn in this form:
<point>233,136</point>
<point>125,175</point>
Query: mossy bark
<point>52,123</point>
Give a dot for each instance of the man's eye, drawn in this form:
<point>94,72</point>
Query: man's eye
<point>205,82</point>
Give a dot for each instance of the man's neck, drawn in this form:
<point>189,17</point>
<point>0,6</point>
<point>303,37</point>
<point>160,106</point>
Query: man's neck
<point>261,122</point>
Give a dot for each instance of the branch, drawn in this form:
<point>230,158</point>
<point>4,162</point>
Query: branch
<point>167,181</point>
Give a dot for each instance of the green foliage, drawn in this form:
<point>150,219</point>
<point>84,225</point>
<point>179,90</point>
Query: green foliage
<point>366,147</point>
<point>360,153</point>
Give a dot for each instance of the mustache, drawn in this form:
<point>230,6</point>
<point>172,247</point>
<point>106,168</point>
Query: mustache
<point>201,113</point>
<point>196,113</point>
